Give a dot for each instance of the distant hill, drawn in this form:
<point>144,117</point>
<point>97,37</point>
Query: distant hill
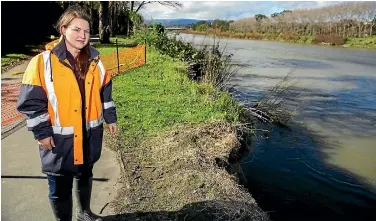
<point>174,22</point>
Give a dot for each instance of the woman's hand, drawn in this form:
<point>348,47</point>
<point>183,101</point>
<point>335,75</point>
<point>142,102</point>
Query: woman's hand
<point>47,143</point>
<point>113,128</point>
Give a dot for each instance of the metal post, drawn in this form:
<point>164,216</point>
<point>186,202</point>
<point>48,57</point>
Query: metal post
<point>117,56</point>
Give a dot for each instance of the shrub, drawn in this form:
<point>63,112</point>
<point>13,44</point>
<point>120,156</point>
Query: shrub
<point>328,39</point>
<point>207,64</point>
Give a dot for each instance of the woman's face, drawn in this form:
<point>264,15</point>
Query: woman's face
<point>77,33</point>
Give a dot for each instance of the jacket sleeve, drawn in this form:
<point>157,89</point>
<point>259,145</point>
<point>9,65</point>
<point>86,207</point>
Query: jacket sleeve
<point>108,105</point>
<point>33,102</point>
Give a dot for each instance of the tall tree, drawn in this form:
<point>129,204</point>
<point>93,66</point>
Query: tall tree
<point>118,17</point>
<point>259,17</point>
<point>104,29</point>
<point>370,14</point>
<point>129,18</point>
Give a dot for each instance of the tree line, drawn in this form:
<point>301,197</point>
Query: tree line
<point>110,18</point>
<point>31,23</point>
<point>348,19</point>
<point>203,26</point>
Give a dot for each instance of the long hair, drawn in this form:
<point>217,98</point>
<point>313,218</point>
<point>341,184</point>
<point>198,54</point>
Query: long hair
<point>82,60</point>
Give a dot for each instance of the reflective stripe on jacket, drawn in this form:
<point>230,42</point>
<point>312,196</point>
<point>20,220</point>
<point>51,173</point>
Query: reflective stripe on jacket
<point>51,100</point>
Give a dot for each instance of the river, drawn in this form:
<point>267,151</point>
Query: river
<point>323,165</point>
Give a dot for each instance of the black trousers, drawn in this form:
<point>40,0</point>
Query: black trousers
<point>60,187</point>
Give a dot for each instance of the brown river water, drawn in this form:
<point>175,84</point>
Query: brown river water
<point>323,165</point>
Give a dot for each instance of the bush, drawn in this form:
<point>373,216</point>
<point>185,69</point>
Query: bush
<point>226,34</point>
<point>207,64</point>
<point>254,35</point>
<point>159,28</point>
<point>328,39</point>
<point>303,39</point>
<point>271,36</point>
<point>289,37</point>
<point>239,35</point>
<point>216,67</point>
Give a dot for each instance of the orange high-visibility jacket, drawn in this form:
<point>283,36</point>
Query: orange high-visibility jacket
<point>51,100</point>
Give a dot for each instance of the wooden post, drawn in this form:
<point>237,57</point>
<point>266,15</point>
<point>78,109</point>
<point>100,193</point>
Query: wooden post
<point>145,51</point>
<point>117,56</point>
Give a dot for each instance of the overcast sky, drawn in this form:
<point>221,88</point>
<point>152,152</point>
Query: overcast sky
<point>227,10</point>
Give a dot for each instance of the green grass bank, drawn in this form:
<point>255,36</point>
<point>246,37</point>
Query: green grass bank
<point>176,136</point>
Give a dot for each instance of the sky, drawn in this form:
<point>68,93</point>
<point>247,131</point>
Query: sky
<point>225,10</point>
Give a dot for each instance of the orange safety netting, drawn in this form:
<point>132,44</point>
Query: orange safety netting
<point>129,58</point>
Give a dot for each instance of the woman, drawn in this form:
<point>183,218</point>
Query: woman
<point>66,95</point>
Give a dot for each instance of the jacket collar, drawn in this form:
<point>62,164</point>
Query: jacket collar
<point>60,50</point>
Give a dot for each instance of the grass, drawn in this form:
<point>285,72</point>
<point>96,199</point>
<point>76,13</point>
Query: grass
<point>12,58</point>
<point>121,40</point>
<point>110,48</point>
<point>369,42</point>
<point>159,95</point>
<point>106,50</point>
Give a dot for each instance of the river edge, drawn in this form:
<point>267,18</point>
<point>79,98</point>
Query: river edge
<point>180,173</point>
<point>347,45</point>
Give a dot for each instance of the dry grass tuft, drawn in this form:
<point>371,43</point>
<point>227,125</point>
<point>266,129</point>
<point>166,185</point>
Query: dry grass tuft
<point>177,172</point>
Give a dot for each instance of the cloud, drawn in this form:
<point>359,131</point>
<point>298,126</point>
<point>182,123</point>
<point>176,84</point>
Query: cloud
<point>229,10</point>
